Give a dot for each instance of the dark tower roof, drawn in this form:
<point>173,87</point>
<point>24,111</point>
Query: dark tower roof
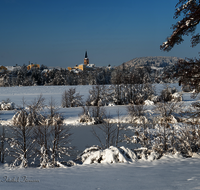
<point>86,55</point>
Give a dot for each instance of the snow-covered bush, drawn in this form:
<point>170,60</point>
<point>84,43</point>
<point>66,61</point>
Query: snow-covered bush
<point>170,94</point>
<point>27,118</point>
<point>44,160</point>
<point>175,137</point>
<point>109,155</point>
<point>99,95</point>
<point>177,97</point>
<point>154,98</point>
<point>71,98</point>
<point>85,117</point>
<point>168,119</point>
<point>92,115</point>
<point>136,113</point>
<point>7,106</point>
<point>148,102</point>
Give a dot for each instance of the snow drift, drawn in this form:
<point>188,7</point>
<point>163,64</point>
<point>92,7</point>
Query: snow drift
<point>110,155</point>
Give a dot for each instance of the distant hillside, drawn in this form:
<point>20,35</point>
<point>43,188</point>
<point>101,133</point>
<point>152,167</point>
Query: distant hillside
<point>151,61</point>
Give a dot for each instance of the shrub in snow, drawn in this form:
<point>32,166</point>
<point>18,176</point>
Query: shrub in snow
<point>20,162</point>
<point>154,99</point>
<point>27,118</point>
<point>186,88</point>
<point>171,138</point>
<point>176,97</point>
<point>153,156</point>
<point>136,113</point>
<point>44,160</point>
<point>86,118</point>
<point>170,94</point>
<point>95,117</point>
<point>109,155</point>
<point>146,154</point>
<point>111,104</point>
<point>139,120</point>
<point>7,106</point>
<point>148,102</point>
<point>168,119</point>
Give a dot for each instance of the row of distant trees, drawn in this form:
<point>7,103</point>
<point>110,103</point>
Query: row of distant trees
<point>97,76</point>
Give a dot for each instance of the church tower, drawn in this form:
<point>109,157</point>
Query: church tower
<point>86,59</point>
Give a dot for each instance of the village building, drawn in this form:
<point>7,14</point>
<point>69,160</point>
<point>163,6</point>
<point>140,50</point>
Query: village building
<point>29,67</point>
<point>2,69</point>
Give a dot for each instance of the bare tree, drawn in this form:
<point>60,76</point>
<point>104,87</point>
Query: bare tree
<point>108,133</point>
<point>166,111</point>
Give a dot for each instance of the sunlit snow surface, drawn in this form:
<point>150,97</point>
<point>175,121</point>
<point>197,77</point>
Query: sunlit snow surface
<point>170,172</point>
<point>165,174</point>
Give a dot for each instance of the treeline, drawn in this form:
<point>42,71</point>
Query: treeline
<point>95,76</point>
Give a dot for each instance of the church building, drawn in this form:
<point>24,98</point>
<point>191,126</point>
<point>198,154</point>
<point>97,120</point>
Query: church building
<point>84,66</point>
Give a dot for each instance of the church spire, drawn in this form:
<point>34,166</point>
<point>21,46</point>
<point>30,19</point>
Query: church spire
<point>86,60</point>
<point>86,55</point>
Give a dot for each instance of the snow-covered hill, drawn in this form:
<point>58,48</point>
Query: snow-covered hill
<point>158,62</point>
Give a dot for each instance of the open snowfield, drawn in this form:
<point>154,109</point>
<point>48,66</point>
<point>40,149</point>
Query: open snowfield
<point>167,173</point>
<point>164,174</point>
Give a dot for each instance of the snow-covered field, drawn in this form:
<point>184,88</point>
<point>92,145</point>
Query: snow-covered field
<point>169,172</point>
<point>165,174</point>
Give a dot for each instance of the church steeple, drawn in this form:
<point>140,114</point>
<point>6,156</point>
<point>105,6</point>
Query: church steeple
<point>86,54</point>
<point>86,60</point>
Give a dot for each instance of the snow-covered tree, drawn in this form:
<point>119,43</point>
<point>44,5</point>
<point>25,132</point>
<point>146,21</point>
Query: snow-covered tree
<point>22,143</point>
<point>99,95</point>
<point>23,140</point>
<point>71,98</point>
<point>2,146</point>
<point>60,139</point>
<point>36,76</point>
<point>190,9</point>
<point>53,138</point>
<point>187,71</point>
<point>35,117</point>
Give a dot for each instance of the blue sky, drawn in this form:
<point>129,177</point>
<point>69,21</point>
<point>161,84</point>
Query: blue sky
<point>58,32</point>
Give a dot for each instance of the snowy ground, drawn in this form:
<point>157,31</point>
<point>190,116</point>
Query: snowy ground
<point>166,173</point>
